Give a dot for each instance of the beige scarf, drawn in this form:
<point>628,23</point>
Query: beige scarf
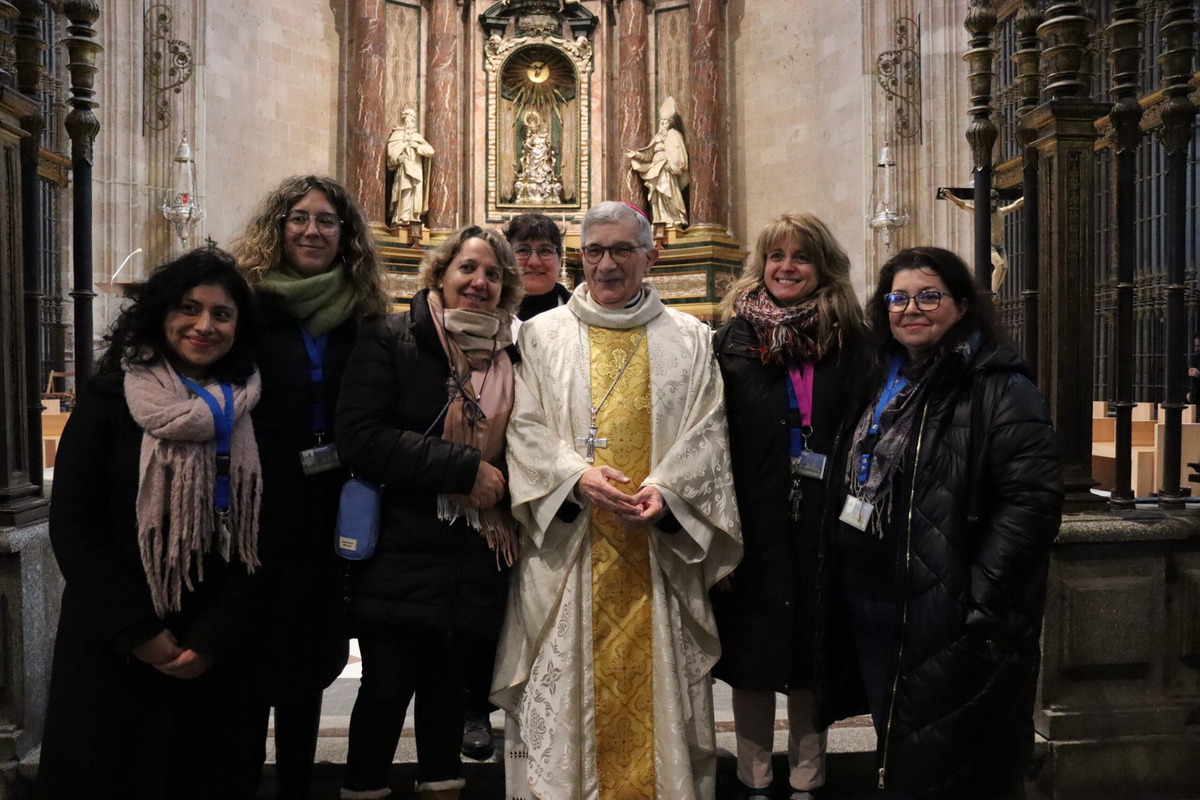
<point>175,516</point>
<point>481,381</point>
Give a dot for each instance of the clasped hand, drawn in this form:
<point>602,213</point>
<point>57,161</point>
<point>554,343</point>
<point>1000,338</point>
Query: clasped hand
<point>488,488</point>
<point>165,655</point>
<point>597,486</point>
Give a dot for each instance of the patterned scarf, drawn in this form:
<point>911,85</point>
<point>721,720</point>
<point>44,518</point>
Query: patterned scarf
<point>175,516</point>
<point>320,302</point>
<point>786,334</point>
<point>480,402</point>
<point>887,448</point>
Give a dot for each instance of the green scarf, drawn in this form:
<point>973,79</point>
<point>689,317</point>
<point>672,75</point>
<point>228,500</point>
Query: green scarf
<point>321,302</point>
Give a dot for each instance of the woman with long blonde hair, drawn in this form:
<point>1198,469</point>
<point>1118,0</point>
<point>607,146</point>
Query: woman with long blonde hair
<point>789,351</point>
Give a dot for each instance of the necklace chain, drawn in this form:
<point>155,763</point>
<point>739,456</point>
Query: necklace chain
<point>628,360</point>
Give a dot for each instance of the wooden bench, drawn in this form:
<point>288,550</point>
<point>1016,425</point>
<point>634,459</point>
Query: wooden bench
<point>1143,456</point>
<point>54,419</point>
<point>1147,434</point>
<point>1189,450</point>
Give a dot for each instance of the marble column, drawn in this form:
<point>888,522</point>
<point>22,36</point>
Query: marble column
<point>443,120</point>
<point>631,89</point>
<point>706,128</point>
<point>367,128</point>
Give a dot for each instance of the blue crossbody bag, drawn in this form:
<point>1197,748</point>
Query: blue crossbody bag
<point>358,519</point>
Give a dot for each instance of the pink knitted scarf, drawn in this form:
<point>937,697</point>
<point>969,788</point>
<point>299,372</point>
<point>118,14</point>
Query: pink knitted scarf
<point>175,516</point>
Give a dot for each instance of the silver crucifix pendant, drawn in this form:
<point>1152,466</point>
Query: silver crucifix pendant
<point>591,443</point>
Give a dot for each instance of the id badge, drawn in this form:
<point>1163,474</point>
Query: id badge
<point>321,458</point>
<point>856,512</point>
<point>809,465</point>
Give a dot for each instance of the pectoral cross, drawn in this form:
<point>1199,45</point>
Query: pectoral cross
<point>591,443</point>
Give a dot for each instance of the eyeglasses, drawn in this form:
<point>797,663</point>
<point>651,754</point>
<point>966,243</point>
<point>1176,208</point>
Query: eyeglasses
<point>544,253</point>
<point>619,252</point>
<point>927,300</point>
<point>471,410</point>
<point>297,222</point>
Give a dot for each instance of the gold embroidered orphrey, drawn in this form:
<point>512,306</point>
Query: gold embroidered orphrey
<point>590,442</point>
<point>622,632</point>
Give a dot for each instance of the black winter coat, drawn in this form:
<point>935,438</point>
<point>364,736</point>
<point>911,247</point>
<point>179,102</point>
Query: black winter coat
<point>971,595</point>
<point>111,720</point>
<point>302,646</point>
<point>766,620</point>
<point>425,573</point>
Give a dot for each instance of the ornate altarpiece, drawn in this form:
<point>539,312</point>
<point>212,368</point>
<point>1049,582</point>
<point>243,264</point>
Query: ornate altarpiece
<point>530,105</point>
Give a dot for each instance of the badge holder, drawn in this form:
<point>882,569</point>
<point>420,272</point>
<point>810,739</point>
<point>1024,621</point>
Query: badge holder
<point>321,458</point>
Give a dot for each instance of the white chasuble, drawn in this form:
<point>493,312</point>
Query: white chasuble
<point>557,689</point>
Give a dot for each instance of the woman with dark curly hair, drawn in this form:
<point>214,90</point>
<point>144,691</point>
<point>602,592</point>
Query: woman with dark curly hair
<point>154,523</point>
<point>423,412</point>
<point>310,256</point>
<point>953,495</point>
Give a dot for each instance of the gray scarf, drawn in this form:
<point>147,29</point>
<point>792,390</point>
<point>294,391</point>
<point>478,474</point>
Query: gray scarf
<point>887,449</point>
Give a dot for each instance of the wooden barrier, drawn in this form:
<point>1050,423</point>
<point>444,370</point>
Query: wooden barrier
<point>54,419</point>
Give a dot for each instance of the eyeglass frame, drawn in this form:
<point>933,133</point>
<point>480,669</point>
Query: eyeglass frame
<point>893,298</point>
<point>583,252</point>
<point>541,251</point>
<point>308,217</point>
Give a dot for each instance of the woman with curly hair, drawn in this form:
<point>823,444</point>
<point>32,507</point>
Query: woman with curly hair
<point>154,526</point>
<point>311,258</point>
<point>790,352</point>
<point>424,409</point>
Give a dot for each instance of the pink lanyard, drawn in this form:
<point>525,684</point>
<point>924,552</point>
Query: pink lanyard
<point>802,385</point>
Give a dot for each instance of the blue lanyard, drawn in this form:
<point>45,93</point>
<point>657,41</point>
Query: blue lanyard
<point>223,424</point>
<point>316,361</point>
<point>895,382</point>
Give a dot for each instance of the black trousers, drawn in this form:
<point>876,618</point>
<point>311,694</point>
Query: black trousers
<point>396,666</point>
<point>297,723</point>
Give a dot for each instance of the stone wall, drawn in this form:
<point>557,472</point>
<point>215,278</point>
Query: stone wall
<point>1119,695</point>
<point>799,125</point>
<point>260,101</point>
<point>273,83</point>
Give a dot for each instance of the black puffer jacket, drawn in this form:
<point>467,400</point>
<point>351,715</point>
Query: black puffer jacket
<point>960,709</point>
<point>425,573</point>
<point>765,619</point>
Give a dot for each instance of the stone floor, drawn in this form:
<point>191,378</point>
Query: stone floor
<point>850,763</point>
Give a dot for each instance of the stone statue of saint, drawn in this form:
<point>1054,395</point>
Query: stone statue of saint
<point>999,212</point>
<point>408,154</point>
<point>537,179</point>
<point>663,165</point>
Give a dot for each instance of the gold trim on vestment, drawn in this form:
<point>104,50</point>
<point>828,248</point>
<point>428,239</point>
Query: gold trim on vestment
<point>622,633</point>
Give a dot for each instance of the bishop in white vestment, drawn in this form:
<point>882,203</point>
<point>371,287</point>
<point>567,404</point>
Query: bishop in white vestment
<point>619,474</point>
